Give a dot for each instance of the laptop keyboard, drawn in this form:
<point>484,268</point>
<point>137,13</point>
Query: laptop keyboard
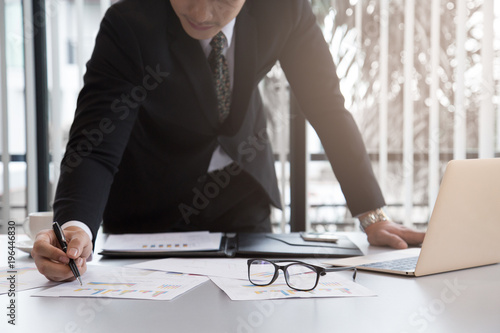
<point>404,264</point>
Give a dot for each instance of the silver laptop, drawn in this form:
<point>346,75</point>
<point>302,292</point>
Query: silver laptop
<point>463,231</point>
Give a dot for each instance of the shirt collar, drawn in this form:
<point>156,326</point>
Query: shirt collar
<point>228,31</point>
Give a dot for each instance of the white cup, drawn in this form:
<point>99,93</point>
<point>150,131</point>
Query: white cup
<point>35,222</point>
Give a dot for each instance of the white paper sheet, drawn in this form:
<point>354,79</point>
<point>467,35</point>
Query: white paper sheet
<point>330,285</point>
<point>230,268</point>
<point>120,282</point>
<point>25,277</point>
<point>171,241</point>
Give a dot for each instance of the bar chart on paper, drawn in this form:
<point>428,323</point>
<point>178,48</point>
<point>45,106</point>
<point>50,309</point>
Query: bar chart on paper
<point>119,282</point>
<point>26,277</point>
<point>330,285</point>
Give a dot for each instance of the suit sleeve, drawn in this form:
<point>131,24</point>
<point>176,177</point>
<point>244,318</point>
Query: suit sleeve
<point>309,67</point>
<point>105,114</point>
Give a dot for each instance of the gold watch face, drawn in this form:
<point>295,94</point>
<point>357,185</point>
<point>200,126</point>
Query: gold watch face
<point>372,218</point>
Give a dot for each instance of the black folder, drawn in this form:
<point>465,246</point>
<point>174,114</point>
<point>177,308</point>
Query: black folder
<point>265,245</point>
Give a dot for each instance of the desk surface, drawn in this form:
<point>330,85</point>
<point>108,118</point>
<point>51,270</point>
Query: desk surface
<point>460,301</point>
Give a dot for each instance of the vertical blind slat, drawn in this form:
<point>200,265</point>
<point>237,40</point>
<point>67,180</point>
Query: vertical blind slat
<point>4,116</point>
<point>384,98</point>
<point>80,17</point>
<point>408,160</point>
<point>486,111</point>
<point>56,95</point>
<point>104,6</point>
<point>434,108</point>
<point>459,126</point>
<point>29,70</point>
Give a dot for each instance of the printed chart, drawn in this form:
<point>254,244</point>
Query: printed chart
<point>330,285</point>
<point>26,277</point>
<point>119,282</point>
<point>159,242</point>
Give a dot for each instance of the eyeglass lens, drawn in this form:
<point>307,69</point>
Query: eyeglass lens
<point>261,272</point>
<point>298,275</point>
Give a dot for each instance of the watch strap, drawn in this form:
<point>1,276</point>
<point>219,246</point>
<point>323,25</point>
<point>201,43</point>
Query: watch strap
<point>372,217</point>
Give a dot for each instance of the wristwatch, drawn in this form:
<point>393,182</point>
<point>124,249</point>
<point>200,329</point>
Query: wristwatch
<point>372,217</point>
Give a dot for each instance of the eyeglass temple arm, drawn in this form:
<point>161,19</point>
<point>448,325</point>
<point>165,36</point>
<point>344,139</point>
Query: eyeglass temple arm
<point>338,269</point>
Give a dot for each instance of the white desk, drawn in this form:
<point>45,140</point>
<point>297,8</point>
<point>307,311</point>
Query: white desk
<point>461,301</point>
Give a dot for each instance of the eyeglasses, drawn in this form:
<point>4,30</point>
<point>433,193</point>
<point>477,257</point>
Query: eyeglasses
<point>298,275</point>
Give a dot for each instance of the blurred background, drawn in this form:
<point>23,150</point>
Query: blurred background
<point>420,77</point>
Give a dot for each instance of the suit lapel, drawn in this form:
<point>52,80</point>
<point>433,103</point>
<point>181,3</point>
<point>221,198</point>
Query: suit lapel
<point>191,58</point>
<point>245,59</point>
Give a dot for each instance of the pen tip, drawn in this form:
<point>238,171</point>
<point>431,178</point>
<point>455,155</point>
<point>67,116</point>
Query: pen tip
<point>80,281</point>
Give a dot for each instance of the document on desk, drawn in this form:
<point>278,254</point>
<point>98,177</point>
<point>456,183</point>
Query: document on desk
<point>24,277</point>
<point>164,242</point>
<point>230,268</point>
<point>330,285</point>
<point>122,282</point>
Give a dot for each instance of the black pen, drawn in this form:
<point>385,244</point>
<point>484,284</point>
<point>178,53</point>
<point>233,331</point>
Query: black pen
<point>62,241</point>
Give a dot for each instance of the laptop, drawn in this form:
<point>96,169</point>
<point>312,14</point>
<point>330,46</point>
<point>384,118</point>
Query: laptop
<point>463,231</point>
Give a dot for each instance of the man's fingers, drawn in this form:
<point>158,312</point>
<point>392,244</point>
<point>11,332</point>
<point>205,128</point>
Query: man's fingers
<point>394,241</point>
<point>79,243</point>
<point>413,237</point>
<point>385,238</point>
<point>387,233</point>
<point>44,247</point>
<point>60,272</point>
<point>52,262</point>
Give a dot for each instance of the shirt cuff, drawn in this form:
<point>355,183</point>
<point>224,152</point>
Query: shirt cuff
<point>82,226</point>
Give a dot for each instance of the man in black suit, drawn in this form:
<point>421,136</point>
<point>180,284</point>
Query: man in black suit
<point>170,134</point>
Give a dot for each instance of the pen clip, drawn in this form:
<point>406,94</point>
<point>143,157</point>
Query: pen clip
<point>60,236</point>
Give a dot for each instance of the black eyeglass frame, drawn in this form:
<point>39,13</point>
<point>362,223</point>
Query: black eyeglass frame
<point>320,271</point>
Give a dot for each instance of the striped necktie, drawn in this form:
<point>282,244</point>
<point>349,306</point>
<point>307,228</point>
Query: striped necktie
<point>220,72</point>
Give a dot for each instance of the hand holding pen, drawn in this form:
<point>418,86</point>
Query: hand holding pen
<point>64,246</point>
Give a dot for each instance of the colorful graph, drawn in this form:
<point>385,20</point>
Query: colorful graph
<point>285,292</point>
<point>163,246</point>
<point>169,286</point>
<point>112,284</point>
<point>119,292</point>
<point>18,271</point>
<point>330,284</point>
<point>283,289</point>
<point>126,283</point>
<point>262,275</point>
<point>274,285</point>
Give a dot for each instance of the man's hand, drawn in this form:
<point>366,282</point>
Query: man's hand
<point>52,262</point>
<point>388,233</point>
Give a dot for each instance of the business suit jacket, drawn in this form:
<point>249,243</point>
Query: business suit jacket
<point>146,122</point>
